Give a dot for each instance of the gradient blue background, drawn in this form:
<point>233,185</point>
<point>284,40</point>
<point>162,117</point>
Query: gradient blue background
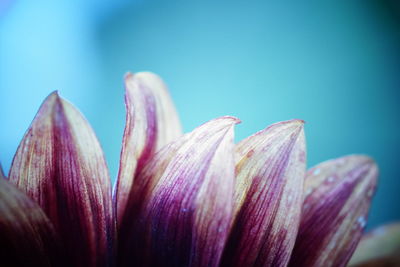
<point>334,64</point>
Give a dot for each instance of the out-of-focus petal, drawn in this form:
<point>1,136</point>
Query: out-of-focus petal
<point>60,165</point>
<point>381,247</point>
<point>27,237</point>
<point>151,123</point>
<point>337,198</point>
<point>182,206</point>
<point>270,173</point>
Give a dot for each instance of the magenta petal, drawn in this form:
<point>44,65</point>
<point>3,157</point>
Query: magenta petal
<point>60,165</point>
<point>27,237</point>
<point>337,198</point>
<point>182,208</point>
<point>151,123</point>
<point>268,196</point>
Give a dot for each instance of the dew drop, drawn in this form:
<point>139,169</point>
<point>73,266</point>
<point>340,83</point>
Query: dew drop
<point>317,171</point>
<point>332,245</point>
<point>290,199</point>
<point>331,179</point>
<point>308,192</point>
<point>361,221</point>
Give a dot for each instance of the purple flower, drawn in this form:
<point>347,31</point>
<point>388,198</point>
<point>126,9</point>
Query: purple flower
<point>195,199</point>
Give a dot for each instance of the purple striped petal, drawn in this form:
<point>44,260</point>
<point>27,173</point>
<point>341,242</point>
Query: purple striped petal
<point>337,198</point>
<point>380,247</point>
<point>60,165</point>
<point>182,206</point>
<point>268,196</point>
<point>27,238</point>
<point>151,123</point>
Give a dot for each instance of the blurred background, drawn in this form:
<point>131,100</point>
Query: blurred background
<point>334,64</point>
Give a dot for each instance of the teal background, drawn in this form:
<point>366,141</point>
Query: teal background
<point>334,64</point>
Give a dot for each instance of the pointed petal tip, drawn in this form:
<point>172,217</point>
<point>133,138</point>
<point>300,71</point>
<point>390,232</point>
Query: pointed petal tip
<point>358,157</point>
<point>298,121</point>
<point>55,100</point>
<point>220,123</point>
<point>128,75</point>
<point>352,160</point>
<point>52,97</point>
<point>137,80</point>
<point>295,124</point>
<point>141,74</point>
<point>55,93</point>
<point>47,108</point>
<point>289,127</point>
<point>60,153</point>
<point>233,120</point>
<point>367,159</point>
<point>360,160</point>
<point>292,122</point>
<point>370,162</point>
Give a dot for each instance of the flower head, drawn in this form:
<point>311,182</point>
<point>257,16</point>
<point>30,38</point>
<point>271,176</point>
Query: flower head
<point>195,199</point>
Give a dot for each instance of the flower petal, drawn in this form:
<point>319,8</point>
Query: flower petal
<point>268,196</point>
<point>337,198</point>
<point>183,204</point>
<point>151,123</point>
<point>60,165</point>
<point>27,237</point>
<point>381,247</point>
<point>2,175</point>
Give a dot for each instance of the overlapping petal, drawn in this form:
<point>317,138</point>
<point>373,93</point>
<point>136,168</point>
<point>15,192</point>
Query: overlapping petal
<point>191,200</point>
<point>380,247</point>
<point>151,123</point>
<point>27,237</point>
<point>337,198</point>
<point>270,172</point>
<point>183,203</point>
<point>60,165</point>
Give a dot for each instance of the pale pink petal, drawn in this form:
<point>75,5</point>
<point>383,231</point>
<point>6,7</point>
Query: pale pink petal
<point>337,198</point>
<point>151,123</point>
<point>268,196</point>
<point>182,208</point>
<point>60,165</point>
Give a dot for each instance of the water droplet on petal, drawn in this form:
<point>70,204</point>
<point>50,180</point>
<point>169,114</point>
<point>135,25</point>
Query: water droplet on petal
<point>290,198</point>
<point>308,191</point>
<point>361,221</point>
<point>331,179</point>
